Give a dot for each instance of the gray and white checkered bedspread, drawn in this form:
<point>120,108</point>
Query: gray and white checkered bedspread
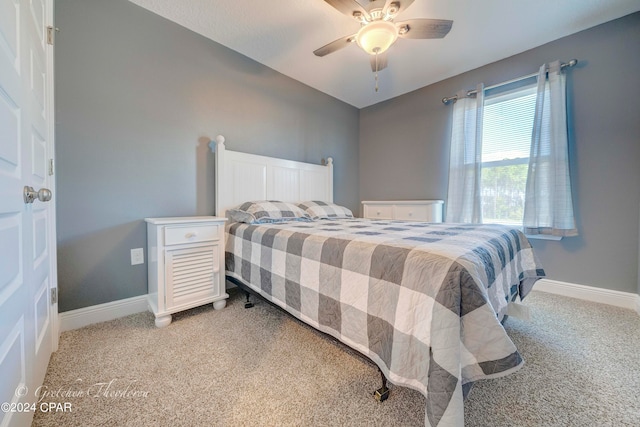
<point>423,301</point>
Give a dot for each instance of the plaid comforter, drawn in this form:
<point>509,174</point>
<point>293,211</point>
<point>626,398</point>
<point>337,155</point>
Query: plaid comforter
<point>423,301</point>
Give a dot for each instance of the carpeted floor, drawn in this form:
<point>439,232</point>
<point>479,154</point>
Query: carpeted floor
<point>261,367</point>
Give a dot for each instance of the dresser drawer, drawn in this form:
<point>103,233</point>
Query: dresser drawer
<point>191,234</point>
<point>378,211</point>
<point>413,212</point>
<point>404,210</point>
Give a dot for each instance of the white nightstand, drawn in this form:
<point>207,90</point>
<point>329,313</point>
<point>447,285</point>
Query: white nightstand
<point>186,264</point>
<point>412,210</point>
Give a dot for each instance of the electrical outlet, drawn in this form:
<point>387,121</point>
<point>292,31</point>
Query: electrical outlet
<point>137,256</point>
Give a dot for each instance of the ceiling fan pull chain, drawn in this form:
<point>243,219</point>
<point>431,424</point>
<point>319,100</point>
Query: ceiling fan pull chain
<point>377,50</point>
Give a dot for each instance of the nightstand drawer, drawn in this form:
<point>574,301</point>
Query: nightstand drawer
<point>378,211</point>
<point>191,234</point>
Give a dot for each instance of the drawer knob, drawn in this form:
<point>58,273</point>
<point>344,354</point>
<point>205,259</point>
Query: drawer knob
<point>190,235</point>
<point>378,213</point>
<point>410,213</point>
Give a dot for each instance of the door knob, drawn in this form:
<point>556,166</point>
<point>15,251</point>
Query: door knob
<point>44,194</point>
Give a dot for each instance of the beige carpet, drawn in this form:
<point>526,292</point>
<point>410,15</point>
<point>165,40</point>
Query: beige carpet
<point>261,367</point>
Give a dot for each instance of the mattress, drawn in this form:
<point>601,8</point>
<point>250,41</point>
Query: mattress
<point>423,301</point>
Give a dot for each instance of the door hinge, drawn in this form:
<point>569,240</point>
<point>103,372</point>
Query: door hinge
<point>50,167</point>
<point>54,296</point>
<point>50,31</point>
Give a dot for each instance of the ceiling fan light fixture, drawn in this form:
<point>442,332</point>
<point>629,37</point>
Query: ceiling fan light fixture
<point>377,37</point>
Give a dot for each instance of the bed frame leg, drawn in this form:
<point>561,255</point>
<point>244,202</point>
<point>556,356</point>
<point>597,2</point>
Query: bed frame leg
<point>382,393</point>
<point>248,304</point>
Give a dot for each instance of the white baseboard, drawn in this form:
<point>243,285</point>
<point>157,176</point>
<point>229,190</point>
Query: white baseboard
<point>81,317</point>
<point>589,293</point>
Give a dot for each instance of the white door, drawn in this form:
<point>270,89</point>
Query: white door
<point>28,333</point>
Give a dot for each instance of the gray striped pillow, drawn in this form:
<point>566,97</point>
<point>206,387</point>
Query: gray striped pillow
<point>324,210</point>
<point>266,211</point>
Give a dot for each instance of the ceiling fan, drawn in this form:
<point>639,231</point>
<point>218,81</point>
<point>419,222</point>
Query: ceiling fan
<point>379,31</point>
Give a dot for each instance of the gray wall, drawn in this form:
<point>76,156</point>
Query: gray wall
<point>404,149</point>
<point>137,100</point>
<point>139,97</point>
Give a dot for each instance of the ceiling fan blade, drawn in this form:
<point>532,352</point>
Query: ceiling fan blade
<point>376,4</point>
<point>381,64</point>
<point>403,4</point>
<point>424,28</point>
<point>335,45</point>
<point>399,5</point>
<point>386,5</point>
<point>348,7</point>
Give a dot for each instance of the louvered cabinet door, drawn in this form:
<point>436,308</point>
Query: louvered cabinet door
<point>192,275</point>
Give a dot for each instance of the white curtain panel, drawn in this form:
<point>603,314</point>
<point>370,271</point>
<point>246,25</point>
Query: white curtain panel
<point>548,205</point>
<point>463,199</point>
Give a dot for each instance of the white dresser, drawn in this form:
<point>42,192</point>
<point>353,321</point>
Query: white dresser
<point>186,264</point>
<point>412,210</point>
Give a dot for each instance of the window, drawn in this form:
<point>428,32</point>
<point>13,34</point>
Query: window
<point>509,155</point>
<point>506,145</point>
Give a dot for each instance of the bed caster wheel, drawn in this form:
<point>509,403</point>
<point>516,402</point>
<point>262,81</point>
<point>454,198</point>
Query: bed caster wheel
<point>381,394</point>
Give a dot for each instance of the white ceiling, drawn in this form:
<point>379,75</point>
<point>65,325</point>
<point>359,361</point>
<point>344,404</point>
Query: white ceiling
<point>282,34</point>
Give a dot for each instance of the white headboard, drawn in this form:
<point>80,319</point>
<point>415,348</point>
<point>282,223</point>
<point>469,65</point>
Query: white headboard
<point>241,177</point>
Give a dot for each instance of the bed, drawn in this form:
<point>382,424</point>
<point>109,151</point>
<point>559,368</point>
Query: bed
<point>423,301</point>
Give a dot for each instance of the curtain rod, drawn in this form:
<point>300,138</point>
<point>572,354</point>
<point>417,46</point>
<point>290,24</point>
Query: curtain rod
<point>447,100</point>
